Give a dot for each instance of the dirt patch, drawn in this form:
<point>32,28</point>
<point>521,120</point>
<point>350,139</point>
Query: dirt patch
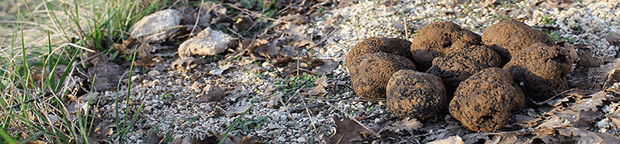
<point>374,71</point>
<point>438,40</point>
<point>375,44</point>
<point>484,101</point>
<point>415,94</point>
<point>458,67</point>
<point>540,70</point>
<point>509,37</point>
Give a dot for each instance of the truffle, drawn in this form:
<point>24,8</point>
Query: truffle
<point>438,40</point>
<point>415,94</point>
<point>458,67</point>
<point>540,70</point>
<point>484,101</point>
<point>374,71</point>
<point>374,44</point>
<point>509,37</point>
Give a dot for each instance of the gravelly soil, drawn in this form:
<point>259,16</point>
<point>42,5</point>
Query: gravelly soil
<point>173,102</point>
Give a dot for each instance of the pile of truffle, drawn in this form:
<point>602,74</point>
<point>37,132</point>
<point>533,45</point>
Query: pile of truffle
<point>480,80</point>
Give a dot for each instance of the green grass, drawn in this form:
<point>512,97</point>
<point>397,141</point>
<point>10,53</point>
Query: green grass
<point>39,37</point>
<point>547,20</point>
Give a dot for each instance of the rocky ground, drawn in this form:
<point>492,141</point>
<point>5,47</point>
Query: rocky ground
<point>290,84</point>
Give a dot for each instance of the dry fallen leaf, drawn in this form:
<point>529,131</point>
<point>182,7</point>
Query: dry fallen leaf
<point>590,104</point>
<point>219,71</point>
<point>237,110</point>
<point>613,74</point>
<point>186,63</point>
<point>583,136</point>
<point>347,131</point>
<point>579,118</point>
<point>321,83</point>
<point>326,68</point>
<point>215,94</point>
<point>102,131</point>
<point>406,124</point>
<point>554,123</point>
<point>612,38</point>
<point>510,138</point>
<point>104,76</point>
<point>449,140</point>
<point>615,120</point>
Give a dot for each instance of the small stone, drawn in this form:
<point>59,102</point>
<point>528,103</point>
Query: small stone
<point>156,26</point>
<point>153,73</point>
<point>208,42</point>
<point>301,140</point>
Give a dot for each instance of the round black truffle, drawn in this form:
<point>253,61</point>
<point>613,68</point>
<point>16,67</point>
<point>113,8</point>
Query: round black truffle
<point>374,71</point>
<point>415,94</point>
<point>460,66</point>
<point>540,70</point>
<point>484,101</point>
<point>374,44</point>
<point>509,37</point>
<point>438,40</point>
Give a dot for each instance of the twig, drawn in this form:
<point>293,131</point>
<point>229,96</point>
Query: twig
<point>438,131</point>
<point>553,97</point>
<point>296,92</point>
<point>349,100</point>
<point>406,28</point>
<point>308,112</point>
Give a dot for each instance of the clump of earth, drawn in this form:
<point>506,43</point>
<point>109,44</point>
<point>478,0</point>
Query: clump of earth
<point>459,63</point>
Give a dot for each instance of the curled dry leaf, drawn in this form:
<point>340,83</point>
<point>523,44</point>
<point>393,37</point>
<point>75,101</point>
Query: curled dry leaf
<point>554,123</point>
<point>104,76</point>
<point>215,94</point>
<point>237,110</point>
<point>219,71</point>
<point>590,104</point>
<point>612,38</point>
<point>296,18</point>
<point>579,118</point>
<point>326,68</point>
<point>102,131</point>
<point>347,131</point>
<point>613,74</point>
<point>407,124</point>
<point>449,140</point>
<point>321,83</point>
<point>587,59</point>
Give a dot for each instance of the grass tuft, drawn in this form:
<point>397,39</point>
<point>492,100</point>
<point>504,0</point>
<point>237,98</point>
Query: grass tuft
<point>43,48</point>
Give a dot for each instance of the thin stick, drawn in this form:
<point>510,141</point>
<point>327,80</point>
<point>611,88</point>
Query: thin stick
<point>308,112</point>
